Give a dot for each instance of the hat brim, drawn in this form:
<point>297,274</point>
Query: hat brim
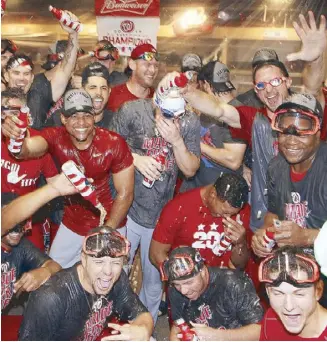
<point>292,105</point>
<point>223,87</point>
<point>71,111</point>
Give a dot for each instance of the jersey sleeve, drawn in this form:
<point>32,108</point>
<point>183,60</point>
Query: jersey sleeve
<point>42,316</point>
<point>122,157</point>
<point>127,304</point>
<point>247,115</point>
<point>192,134</point>
<point>246,303</point>
<point>33,257</point>
<point>168,223</point>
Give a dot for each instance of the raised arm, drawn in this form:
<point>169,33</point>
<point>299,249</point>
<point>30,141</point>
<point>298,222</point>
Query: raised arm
<point>314,44</point>
<point>124,185</point>
<point>64,71</point>
<point>205,103</point>
<point>231,155</point>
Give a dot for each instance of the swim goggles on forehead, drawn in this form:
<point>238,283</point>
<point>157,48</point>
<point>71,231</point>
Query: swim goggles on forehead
<point>181,267</point>
<point>295,269</point>
<point>112,53</point>
<point>149,56</point>
<point>302,123</point>
<point>107,242</point>
<point>275,82</point>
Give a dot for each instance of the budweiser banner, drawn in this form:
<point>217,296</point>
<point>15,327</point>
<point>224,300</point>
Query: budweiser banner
<point>127,32</point>
<point>127,8</point>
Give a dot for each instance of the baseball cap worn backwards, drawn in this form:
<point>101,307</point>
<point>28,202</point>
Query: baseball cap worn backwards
<point>95,69</point>
<point>217,74</point>
<point>77,100</point>
<point>183,263</point>
<point>264,55</point>
<point>191,62</point>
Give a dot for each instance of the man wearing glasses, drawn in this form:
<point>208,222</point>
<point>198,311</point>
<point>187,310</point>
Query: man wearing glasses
<point>143,66</point>
<point>297,177</point>
<point>272,86</point>
<point>77,303</point>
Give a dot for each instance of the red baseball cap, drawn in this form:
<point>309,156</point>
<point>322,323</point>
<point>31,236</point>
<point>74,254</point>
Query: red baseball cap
<point>141,49</point>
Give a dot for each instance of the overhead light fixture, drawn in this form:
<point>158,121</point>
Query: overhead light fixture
<point>192,21</point>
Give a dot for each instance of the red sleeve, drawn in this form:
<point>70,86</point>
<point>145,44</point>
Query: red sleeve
<point>247,115</point>
<point>123,156</point>
<point>168,223</point>
<point>49,168</point>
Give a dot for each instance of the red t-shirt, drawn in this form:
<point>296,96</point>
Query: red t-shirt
<point>272,329</point>
<point>108,153</point>
<point>323,134</point>
<point>120,94</point>
<point>247,116</point>
<point>13,170</point>
<point>186,221</point>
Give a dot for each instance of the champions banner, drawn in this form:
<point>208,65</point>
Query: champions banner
<point>128,23</point>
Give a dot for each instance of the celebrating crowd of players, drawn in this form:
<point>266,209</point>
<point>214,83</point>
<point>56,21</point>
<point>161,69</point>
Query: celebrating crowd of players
<point>225,196</point>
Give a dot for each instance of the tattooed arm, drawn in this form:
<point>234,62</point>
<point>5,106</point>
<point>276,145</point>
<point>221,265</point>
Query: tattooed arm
<point>66,67</point>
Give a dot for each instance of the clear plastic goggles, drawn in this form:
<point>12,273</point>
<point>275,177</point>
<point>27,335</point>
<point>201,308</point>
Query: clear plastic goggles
<point>295,122</point>
<point>180,267</point>
<point>107,242</point>
<point>290,268</point>
<point>106,53</point>
<point>275,82</point>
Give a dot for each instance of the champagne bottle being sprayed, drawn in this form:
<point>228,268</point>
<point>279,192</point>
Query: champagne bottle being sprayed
<point>66,19</point>
<point>15,145</point>
<point>84,187</point>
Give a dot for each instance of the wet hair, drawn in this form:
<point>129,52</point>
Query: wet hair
<point>232,188</point>
<point>281,66</point>
<point>15,57</point>
<point>95,69</point>
<point>293,264</point>
<point>14,93</point>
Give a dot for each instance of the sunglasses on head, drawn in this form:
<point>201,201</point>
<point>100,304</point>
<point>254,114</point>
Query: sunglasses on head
<point>275,82</point>
<point>149,56</point>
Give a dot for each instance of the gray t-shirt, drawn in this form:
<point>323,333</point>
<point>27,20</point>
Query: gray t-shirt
<point>135,122</point>
<point>250,99</point>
